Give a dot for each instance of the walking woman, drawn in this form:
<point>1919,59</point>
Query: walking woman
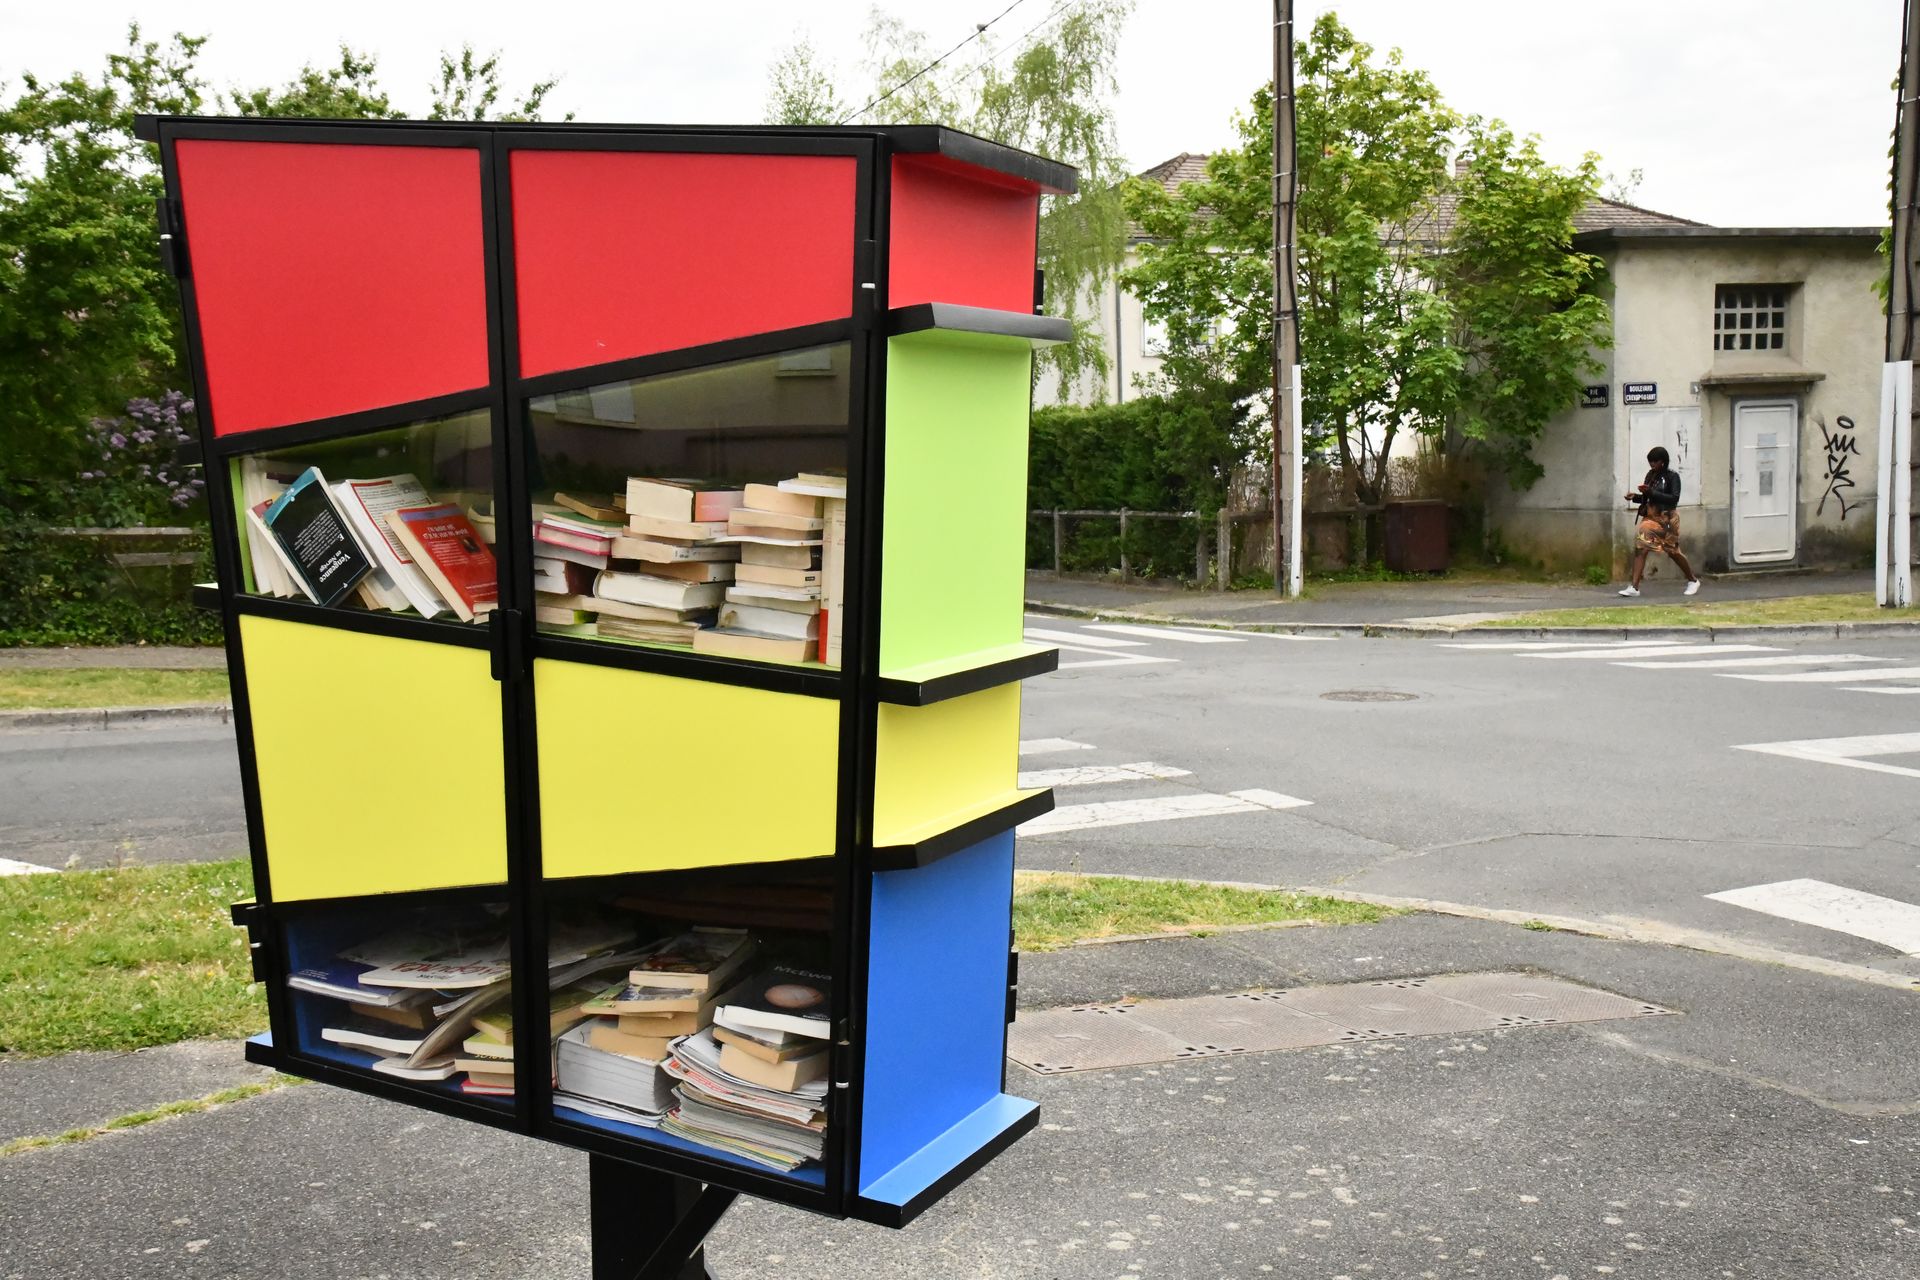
<point>1659,529</point>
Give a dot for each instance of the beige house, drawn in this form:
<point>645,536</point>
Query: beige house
<point>1753,355</point>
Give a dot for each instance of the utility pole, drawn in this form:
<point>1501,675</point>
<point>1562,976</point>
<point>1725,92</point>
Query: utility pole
<point>1286,488</point>
<point>1893,549</point>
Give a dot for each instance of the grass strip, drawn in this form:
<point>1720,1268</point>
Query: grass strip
<point>1850,607</point>
<point>1054,909</point>
<point>165,1111</point>
<point>125,958</point>
<point>46,689</point>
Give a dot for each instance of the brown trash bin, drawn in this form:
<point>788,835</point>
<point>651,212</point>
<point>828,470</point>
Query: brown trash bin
<point>1416,536</point>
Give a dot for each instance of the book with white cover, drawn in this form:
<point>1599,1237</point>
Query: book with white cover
<point>366,503</point>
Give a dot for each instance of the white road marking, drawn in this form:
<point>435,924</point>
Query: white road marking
<point>1080,638</point>
<point>1122,813</point>
<point>1828,677</point>
<point>1855,688</point>
<point>1887,921</point>
<point>1166,633</point>
<point>1088,775</point>
<point>8,867</point>
<point>1049,746</point>
<point>1114,660</point>
<point>1651,651</point>
<point>1777,660</point>
<point>1852,753</point>
<point>1557,644</point>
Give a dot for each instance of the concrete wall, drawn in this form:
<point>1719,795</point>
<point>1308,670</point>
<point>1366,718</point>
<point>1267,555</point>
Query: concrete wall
<point>1663,296</point>
<point>1116,316</point>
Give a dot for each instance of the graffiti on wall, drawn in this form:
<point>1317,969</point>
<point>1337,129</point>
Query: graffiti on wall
<point>1842,449</point>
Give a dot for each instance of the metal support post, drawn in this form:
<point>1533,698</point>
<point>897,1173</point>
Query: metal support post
<point>1223,550</point>
<point>648,1225</point>
<point>1126,570</point>
<point>1056,542</point>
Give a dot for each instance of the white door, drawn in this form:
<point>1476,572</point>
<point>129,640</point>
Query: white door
<point>1766,480</point>
<point>1677,430</point>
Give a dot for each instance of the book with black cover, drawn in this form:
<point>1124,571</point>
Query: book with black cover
<point>782,998</point>
<point>326,559</point>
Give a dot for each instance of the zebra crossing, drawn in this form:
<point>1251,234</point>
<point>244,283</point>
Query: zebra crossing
<point>1886,921</point>
<point>1756,663</point>
<point>1125,644</point>
<point>1104,812</point>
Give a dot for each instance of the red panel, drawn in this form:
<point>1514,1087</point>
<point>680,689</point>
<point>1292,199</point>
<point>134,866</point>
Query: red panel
<point>333,278</point>
<point>962,235</point>
<point>626,253</point>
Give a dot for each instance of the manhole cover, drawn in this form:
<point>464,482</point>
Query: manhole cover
<point>1369,695</point>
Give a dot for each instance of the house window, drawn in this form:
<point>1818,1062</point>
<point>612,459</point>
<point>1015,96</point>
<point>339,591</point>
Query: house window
<point>1750,317</point>
<point>1153,337</point>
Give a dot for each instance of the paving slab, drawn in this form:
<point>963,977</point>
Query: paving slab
<point>74,1090</point>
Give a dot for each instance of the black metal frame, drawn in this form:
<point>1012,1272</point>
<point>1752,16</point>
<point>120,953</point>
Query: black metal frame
<point>517,646</point>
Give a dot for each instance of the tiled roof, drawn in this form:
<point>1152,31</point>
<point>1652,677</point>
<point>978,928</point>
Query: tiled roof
<point>1185,167</point>
<point>1436,223</point>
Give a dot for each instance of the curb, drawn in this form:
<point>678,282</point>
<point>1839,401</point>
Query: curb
<point>116,717</point>
<point>1612,929</point>
<point>1433,631</point>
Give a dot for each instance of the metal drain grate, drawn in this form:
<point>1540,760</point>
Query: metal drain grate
<point>1138,1033</point>
<point>1092,1036</point>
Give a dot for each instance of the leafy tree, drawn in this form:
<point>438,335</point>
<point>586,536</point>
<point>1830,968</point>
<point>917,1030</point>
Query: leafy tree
<point>1401,327</point>
<point>1525,316</point>
<point>87,317</point>
<point>347,90</point>
<point>469,89</point>
<point>800,89</point>
<point>1054,97</point>
<point>1373,138</point>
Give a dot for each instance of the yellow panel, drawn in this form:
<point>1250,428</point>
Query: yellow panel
<point>644,772</point>
<point>379,761</point>
<point>934,766</point>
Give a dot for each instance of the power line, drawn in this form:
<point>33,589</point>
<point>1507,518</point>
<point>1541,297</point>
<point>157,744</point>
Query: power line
<point>1026,35</point>
<point>978,31</point>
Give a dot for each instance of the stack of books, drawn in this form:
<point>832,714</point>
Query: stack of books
<point>772,611</point>
<point>381,543</point>
<point>668,571</point>
<point>669,992</point>
<point>416,997</point>
<point>755,1083</point>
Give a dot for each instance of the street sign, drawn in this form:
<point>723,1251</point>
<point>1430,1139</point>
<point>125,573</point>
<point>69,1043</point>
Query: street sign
<point>1594,397</point>
<point>1639,393</point>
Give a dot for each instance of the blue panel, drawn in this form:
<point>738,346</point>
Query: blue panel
<point>936,1005</point>
<point>905,1181</point>
<point>811,1173</point>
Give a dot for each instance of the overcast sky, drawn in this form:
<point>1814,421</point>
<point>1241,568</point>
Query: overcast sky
<point>1739,112</point>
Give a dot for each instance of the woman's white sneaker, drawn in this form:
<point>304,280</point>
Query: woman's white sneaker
<point>1691,587</point>
<point>1629,591</point>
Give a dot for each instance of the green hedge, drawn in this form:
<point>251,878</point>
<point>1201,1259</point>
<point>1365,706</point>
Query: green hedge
<point>66,591</point>
<point>1154,453</point>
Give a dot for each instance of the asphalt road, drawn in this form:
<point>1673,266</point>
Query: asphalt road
<point>1552,780</point>
<point>99,798</point>
<point>1769,1128</point>
<point>1556,780</point>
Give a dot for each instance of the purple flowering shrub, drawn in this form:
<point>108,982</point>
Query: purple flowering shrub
<point>138,478</point>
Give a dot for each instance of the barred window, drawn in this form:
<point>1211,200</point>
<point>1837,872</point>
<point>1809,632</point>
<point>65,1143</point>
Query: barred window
<point>1750,317</point>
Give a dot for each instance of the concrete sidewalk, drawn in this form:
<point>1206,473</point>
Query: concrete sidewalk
<point>1444,601</point>
<point>1771,1130</point>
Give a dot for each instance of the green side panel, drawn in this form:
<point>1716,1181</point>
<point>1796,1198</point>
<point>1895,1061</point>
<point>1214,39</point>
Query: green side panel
<point>240,523</point>
<point>953,553</point>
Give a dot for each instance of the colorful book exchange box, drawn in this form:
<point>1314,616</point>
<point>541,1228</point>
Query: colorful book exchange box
<point>620,539</point>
